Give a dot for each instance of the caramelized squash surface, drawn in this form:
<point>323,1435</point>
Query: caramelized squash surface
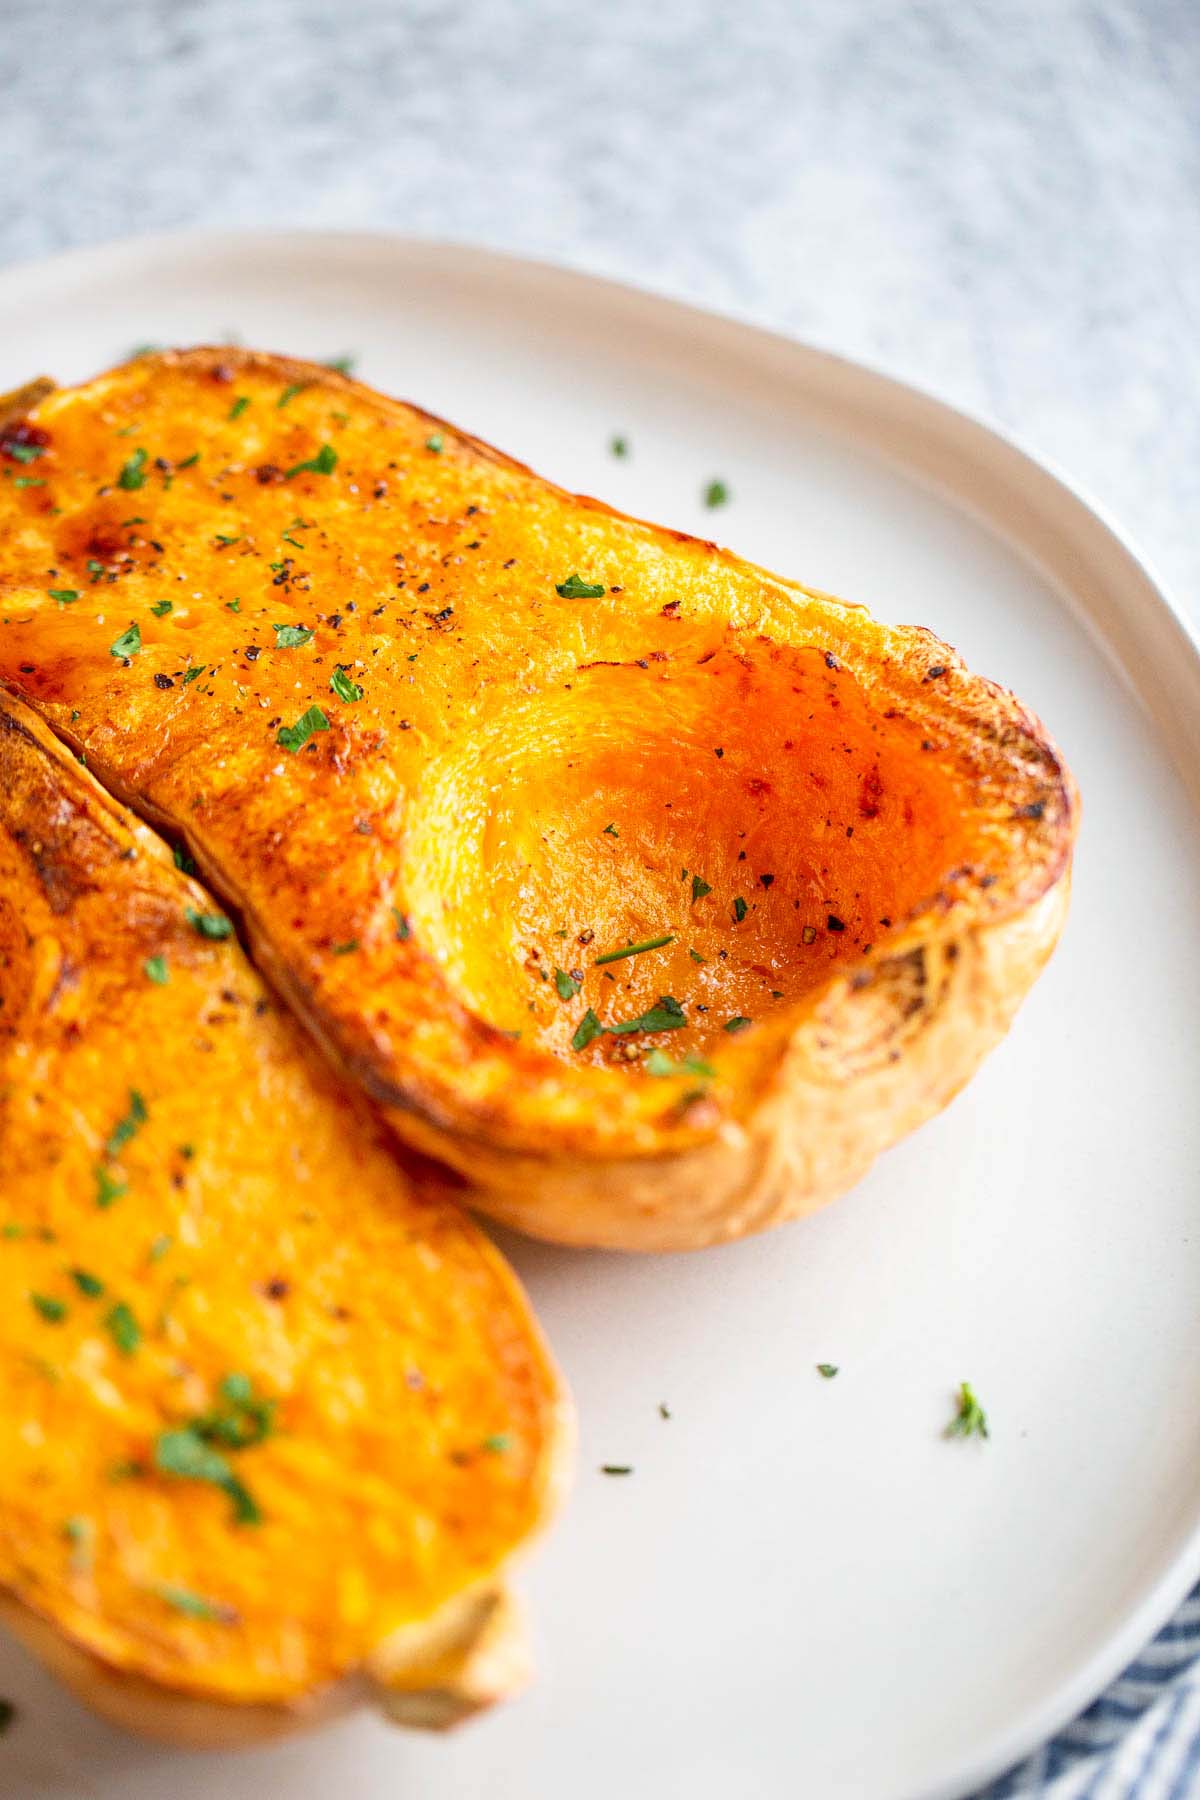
<point>445,737</point>
<point>274,1414</point>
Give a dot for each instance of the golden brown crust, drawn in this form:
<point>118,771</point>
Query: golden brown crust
<point>208,1251</point>
<point>452,823</point>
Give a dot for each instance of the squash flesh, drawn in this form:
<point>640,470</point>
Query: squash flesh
<point>450,823</point>
<point>172,1146</point>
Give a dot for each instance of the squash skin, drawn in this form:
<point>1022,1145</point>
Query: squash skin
<point>508,691</point>
<point>284,1243</point>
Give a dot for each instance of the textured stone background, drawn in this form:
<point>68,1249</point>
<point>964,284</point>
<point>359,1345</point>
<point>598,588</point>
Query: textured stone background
<point>997,198</point>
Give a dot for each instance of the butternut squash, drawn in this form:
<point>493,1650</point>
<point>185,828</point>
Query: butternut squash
<point>274,1416</point>
<point>653,893</point>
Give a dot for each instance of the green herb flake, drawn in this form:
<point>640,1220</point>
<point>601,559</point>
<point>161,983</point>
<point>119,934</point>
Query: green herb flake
<point>566,984</point>
<point>289,393</point>
<point>343,687</point>
<point>161,608</point>
<point>403,925</point>
<point>589,1027</point>
<point>233,606</point>
<point>290,637</point>
<point>738,1023</point>
<point>294,737</point>
<point>696,956</point>
<point>184,1454</point>
<point>435,443</point>
<point>828,1370</point>
<point>214,926</point>
<point>194,673</point>
<point>616,1468</point>
<point>129,642</point>
<point>132,475</point>
<point>129,1126</point>
<point>659,1063</point>
<point>64,596</point>
<point>109,1187</point>
<point>619,446</point>
<point>740,908</point>
<point>159,1247</point>
<point>28,481</point>
<point>156,970</point>
<point>183,861</point>
<point>656,943</point>
<point>225,539</point>
<point>323,463</point>
<point>189,462</point>
<point>716,494</point>
<point>239,406</point>
<point>346,949</point>
<point>610,831</point>
<point>700,887</point>
<point>576,588</point>
<point>95,569</point>
<point>343,365</point>
<point>24,453</point>
<point>53,1311</point>
<point>969,1420</point>
<point>89,1285</point>
<point>497,1444</point>
<point>123,1328</point>
<point>665,1015</point>
<point>195,1606</point>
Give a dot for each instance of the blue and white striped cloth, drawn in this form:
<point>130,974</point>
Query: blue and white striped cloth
<point>1139,1741</point>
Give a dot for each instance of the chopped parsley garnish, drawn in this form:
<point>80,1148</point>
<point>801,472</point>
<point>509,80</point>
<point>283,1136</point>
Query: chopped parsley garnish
<point>129,1126</point>
<point>129,642</point>
<point>194,673</point>
<point>566,984</point>
<point>738,1023</point>
<point>696,956</point>
<point>233,605</point>
<point>132,475</point>
<point>610,831</point>
<point>497,1444</point>
<point>64,596</point>
<point>90,1285</point>
<point>970,1420</point>
<point>576,588</point>
<point>24,453</point>
<point>619,446</point>
<point>323,463</point>
<point>156,970</point>
<point>289,393</point>
<point>657,943</point>
<point>828,1370</point>
<point>436,443</point>
<point>716,494</point>
<point>294,737</point>
<point>161,608</point>
<point>344,365</point>
<point>616,1468</point>
<point>195,1606</point>
<point>403,925</point>
<point>343,687</point>
<point>290,637</point>
<point>95,569</point>
<point>189,462</point>
<point>109,1187</point>
<point>700,887</point>
<point>225,539</point>
<point>183,861</point>
<point>589,1027</point>
<point>185,1454</point>
<point>53,1311</point>
<point>740,908</point>
<point>665,1015</point>
<point>346,949</point>
<point>123,1328</point>
<point>214,926</point>
<point>659,1063</point>
<point>239,406</point>
<point>28,481</point>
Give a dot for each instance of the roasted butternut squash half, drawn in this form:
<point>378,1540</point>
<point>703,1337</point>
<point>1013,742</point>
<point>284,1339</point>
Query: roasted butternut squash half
<point>274,1416</point>
<point>652,892</point>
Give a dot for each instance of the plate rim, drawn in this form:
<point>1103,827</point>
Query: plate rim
<point>1098,1666</point>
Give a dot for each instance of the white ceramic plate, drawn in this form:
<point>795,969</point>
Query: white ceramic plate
<point>803,1591</point>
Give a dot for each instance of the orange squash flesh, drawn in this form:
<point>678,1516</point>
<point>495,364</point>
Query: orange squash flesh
<point>194,1210</point>
<point>801,799</point>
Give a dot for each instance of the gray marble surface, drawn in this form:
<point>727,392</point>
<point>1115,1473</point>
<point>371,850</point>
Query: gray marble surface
<point>999,199</point>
